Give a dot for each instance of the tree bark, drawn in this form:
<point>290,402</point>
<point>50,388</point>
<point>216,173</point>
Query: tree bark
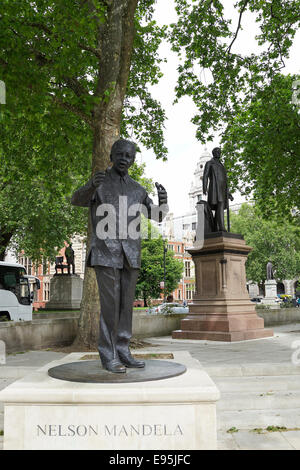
<point>115,41</point>
<point>5,238</point>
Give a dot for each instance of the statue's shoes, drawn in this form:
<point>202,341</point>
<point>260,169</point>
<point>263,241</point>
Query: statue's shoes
<point>129,361</point>
<point>115,366</point>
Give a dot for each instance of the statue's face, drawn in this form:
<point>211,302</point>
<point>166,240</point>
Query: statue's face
<point>217,153</point>
<point>123,157</point>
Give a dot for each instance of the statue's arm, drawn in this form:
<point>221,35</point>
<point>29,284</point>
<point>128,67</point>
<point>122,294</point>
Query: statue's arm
<point>228,193</point>
<point>82,197</point>
<point>205,177</point>
<point>154,211</point>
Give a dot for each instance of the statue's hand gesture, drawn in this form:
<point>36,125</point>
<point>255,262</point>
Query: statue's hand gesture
<point>230,196</point>
<point>98,178</point>
<point>162,194</point>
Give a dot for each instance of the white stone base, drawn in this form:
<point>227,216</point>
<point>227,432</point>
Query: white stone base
<point>270,294</point>
<point>65,292</point>
<point>171,414</point>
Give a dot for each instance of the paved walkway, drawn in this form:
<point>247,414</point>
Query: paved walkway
<point>277,349</point>
<point>259,382</point>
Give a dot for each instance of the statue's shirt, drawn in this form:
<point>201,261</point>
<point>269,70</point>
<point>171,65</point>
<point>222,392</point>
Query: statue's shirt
<point>115,207</point>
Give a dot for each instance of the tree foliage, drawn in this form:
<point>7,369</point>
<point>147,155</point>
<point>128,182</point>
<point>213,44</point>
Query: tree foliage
<point>41,163</point>
<point>152,270</point>
<point>205,41</point>
<point>262,148</point>
<point>275,239</point>
<point>58,47</point>
<point>242,96</point>
<point>47,124</point>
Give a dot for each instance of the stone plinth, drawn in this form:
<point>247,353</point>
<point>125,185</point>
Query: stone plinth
<point>2,352</point>
<point>65,292</point>
<point>221,308</point>
<point>41,412</point>
<point>270,293</point>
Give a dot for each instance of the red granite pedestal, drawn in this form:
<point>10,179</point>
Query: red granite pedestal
<point>221,308</point>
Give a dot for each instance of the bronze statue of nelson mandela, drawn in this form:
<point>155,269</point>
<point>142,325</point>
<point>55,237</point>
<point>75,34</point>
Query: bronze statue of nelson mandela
<point>115,252</point>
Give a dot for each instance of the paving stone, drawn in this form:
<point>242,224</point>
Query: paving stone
<point>260,384</point>
<point>226,441</point>
<point>293,438</point>
<point>251,419</point>
<point>263,400</point>
<point>248,440</point>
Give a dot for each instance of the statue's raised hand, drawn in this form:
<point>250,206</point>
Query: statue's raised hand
<point>162,194</point>
<point>98,178</point>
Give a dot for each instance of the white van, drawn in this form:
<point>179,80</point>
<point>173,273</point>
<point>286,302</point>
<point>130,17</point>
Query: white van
<point>16,292</point>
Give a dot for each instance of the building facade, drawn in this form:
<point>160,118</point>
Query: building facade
<point>186,286</point>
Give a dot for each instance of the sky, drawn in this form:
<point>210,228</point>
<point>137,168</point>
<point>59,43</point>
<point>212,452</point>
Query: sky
<point>177,173</point>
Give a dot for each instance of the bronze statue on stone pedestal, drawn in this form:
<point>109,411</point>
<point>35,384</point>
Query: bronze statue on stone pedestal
<point>217,190</point>
<point>70,257</point>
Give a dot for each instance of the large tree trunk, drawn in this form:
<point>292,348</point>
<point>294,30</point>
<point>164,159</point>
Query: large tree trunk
<point>115,44</point>
<point>4,242</point>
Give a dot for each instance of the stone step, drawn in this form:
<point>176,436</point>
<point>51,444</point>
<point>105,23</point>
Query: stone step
<point>15,372</point>
<point>257,383</point>
<point>250,370</point>
<point>231,336</point>
<point>251,419</point>
<point>241,401</point>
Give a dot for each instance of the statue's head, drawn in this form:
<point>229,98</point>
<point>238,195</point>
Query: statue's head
<point>122,155</point>
<point>216,152</point>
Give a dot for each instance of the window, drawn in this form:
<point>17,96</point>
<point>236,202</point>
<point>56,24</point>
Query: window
<point>189,295</point>
<point>45,266</point>
<point>27,263</point>
<point>178,248</point>
<point>179,294</point>
<point>190,289</point>
<point>185,226</point>
<point>46,291</point>
<point>194,226</point>
<point>187,269</point>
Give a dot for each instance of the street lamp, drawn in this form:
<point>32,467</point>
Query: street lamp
<point>165,251</point>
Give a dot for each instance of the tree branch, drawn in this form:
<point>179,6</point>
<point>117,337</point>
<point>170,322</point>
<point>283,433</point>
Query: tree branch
<point>3,62</point>
<point>75,86</point>
<point>72,108</point>
<point>238,26</point>
<point>39,26</point>
<point>47,30</point>
<point>94,51</point>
